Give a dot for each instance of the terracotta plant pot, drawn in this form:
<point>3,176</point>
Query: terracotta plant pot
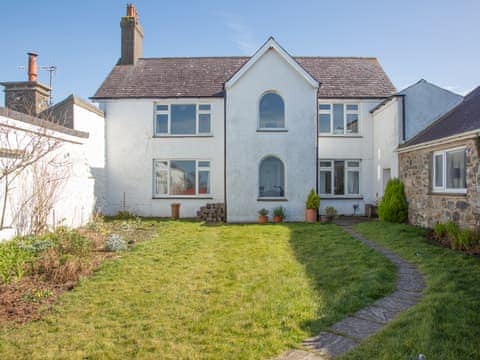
<point>277,219</point>
<point>311,215</point>
<point>262,219</point>
<point>325,219</point>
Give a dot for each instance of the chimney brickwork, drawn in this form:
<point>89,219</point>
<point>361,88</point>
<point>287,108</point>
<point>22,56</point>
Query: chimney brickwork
<point>132,37</point>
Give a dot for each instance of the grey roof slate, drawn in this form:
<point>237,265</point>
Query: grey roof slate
<point>348,77</point>
<point>462,118</point>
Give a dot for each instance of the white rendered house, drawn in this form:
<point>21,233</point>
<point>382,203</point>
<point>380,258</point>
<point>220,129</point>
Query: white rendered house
<point>249,132</point>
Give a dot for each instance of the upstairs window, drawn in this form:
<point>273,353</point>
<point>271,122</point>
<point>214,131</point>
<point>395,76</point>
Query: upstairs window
<point>182,119</point>
<point>339,177</point>
<point>272,178</point>
<point>449,171</point>
<point>338,119</point>
<point>272,112</point>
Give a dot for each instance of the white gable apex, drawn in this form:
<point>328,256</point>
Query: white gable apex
<point>271,44</point>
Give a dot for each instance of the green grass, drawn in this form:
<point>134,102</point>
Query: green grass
<point>446,323</point>
<point>216,292</point>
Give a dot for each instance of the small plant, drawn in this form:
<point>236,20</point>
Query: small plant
<point>330,211</point>
<point>124,215</point>
<point>263,212</point>
<point>115,243</point>
<point>14,262</point>
<point>313,200</point>
<point>37,295</point>
<point>393,207</point>
<point>279,212</point>
<point>440,230</point>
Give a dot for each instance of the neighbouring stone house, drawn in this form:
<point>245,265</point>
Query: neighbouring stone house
<point>440,168</point>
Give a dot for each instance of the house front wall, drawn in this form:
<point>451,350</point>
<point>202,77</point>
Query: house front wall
<point>426,208</point>
<point>246,147</point>
<point>131,148</point>
<point>352,147</point>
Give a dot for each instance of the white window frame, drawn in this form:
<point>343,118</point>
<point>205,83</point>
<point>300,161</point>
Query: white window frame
<point>444,188</point>
<point>347,168</point>
<point>345,113</point>
<point>270,129</point>
<point>169,120</point>
<point>197,170</point>
<point>273,198</point>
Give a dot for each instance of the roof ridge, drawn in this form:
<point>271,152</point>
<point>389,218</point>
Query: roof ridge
<point>247,57</point>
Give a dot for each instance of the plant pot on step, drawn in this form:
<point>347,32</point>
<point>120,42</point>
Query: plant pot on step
<point>262,219</point>
<point>311,215</point>
<point>325,219</point>
<point>277,219</point>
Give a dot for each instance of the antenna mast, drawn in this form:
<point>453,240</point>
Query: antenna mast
<point>51,71</point>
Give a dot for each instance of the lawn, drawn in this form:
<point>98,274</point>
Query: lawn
<point>218,292</point>
<point>446,323</point>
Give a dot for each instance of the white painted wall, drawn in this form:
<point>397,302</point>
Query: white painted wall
<point>131,148</point>
<point>246,147</point>
<point>352,147</point>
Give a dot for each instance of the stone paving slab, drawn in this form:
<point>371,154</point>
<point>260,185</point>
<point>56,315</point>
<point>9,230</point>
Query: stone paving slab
<point>378,314</point>
<point>301,355</point>
<point>356,328</point>
<point>329,344</point>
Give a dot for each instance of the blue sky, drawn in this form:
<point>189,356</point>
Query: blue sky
<point>433,39</point>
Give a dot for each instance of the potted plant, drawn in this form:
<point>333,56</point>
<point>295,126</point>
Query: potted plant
<point>262,216</point>
<point>278,214</point>
<point>330,213</point>
<point>312,205</point>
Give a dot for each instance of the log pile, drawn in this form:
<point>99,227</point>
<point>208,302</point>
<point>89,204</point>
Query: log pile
<point>212,213</point>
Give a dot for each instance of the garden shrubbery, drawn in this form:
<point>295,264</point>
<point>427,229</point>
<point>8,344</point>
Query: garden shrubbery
<point>451,235</point>
<point>394,207</point>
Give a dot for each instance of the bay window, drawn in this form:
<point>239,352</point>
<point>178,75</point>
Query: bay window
<point>182,119</point>
<point>338,119</point>
<point>181,178</point>
<point>449,171</point>
<point>339,177</point>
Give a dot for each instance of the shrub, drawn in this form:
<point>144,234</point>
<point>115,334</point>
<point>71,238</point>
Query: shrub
<point>69,242</point>
<point>263,212</point>
<point>330,211</point>
<point>14,261</point>
<point>124,215</point>
<point>313,200</point>
<point>393,207</point>
<point>279,211</point>
<point>440,230</point>
<point>115,243</point>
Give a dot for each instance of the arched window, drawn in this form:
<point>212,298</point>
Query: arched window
<point>272,178</point>
<point>272,112</point>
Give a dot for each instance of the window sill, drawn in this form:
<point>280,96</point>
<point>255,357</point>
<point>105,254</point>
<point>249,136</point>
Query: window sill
<point>272,130</point>
<point>181,136</point>
<point>446,193</point>
<point>340,197</point>
<point>209,197</point>
<point>272,199</point>
<point>354,136</point>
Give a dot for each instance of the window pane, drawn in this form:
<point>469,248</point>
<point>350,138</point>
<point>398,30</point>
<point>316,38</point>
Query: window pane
<point>272,178</point>
<point>338,119</point>
<point>456,170</point>
<point>183,119</point>
<point>351,107</point>
<point>161,177</point>
<point>352,123</point>
<point>204,123</point>
<point>272,111</point>
<point>339,187</point>
<point>325,179</point>
<point>439,170</point>
<point>182,177</point>
<point>204,182</point>
<point>353,164</point>
<point>324,106</point>
<point>162,107</point>
<point>353,180</point>
<point>325,163</point>
<point>204,107</point>
<point>162,124</point>
<point>204,164</point>
<point>324,123</point>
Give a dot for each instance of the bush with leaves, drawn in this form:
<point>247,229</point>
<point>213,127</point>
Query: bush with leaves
<point>393,207</point>
<point>115,243</point>
<point>313,200</point>
<point>14,261</point>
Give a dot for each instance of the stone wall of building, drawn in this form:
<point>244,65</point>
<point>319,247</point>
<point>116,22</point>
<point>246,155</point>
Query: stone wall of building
<point>427,208</point>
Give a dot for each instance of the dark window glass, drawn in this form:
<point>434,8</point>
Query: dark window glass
<point>324,123</point>
<point>325,182</point>
<point>204,107</point>
<point>272,112</point>
<point>456,170</point>
<point>338,125</point>
<point>204,182</point>
<point>352,123</point>
<point>272,178</point>
<point>204,123</point>
<point>183,119</point>
<point>162,124</point>
<point>439,170</point>
<point>182,177</point>
<point>162,107</point>
<point>339,182</point>
<point>324,107</point>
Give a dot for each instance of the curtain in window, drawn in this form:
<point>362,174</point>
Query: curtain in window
<point>272,178</point>
<point>272,112</point>
<point>456,170</point>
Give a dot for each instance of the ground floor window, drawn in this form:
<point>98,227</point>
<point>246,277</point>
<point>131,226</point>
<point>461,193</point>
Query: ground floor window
<point>271,178</point>
<point>449,170</point>
<point>181,177</point>
<point>339,177</point>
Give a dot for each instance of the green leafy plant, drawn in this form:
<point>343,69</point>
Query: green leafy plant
<point>279,211</point>
<point>393,207</point>
<point>14,261</point>
<point>330,211</point>
<point>439,230</point>
<point>313,200</point>
<point>124,215</point>
<point>263,212</point>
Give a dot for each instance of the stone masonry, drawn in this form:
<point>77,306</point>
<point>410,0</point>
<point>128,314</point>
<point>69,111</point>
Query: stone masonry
<point>426,208</point>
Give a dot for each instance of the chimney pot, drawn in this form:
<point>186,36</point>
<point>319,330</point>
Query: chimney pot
<point>32,67</point>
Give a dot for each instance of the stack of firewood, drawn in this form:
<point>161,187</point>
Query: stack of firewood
<point>212,213</point>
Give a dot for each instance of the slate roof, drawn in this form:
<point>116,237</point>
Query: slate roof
<point>462,118</point>
<point>347,77</point>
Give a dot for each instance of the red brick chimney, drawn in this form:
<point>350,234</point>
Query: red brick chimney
<point>132,37</point>
<point>32,67</point>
